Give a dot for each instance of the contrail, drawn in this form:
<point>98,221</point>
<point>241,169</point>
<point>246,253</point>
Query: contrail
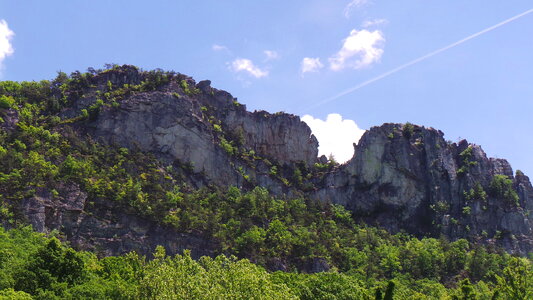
<point>422,58</point>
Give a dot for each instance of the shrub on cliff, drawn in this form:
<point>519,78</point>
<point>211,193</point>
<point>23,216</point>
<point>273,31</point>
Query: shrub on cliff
<point>501,187</point>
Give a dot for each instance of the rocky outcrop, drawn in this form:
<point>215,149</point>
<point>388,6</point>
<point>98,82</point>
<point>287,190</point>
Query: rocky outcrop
<point>402,177</point>
<point>171,127</point>
<point>278,136</point>
<point>102,227</point>
<point>406,177</point>
<point>190,123</point>
<point>10,119</point>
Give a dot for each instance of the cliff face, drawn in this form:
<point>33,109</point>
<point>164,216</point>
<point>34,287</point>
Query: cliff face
<point>195,124</point>
<point>405,177</point>
<point>402,177</point>
<point>107,229</point>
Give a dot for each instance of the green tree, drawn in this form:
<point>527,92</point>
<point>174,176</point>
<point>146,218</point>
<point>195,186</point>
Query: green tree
<point>53,267</point>
<point>278,239</point>
<point>6,102</point>
<point>516,282</point>
<point>466,291</point>
<point>10,294</point>
<point>501,187</point>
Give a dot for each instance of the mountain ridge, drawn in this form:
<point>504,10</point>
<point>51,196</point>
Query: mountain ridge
<point>402,177</point>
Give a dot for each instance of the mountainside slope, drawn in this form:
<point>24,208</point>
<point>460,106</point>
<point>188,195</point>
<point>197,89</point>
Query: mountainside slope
<point>110,159</point>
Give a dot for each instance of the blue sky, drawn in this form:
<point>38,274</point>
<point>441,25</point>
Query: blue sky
<point>293,55</point>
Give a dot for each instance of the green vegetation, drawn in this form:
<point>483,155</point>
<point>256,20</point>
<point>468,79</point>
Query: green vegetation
<point>6,102</point>
<point>501,187</point>
<point>251,229</point>
<point>467,210</point>
<point>477,193</point>
<point>408,129</point>
<point>440,207</point>
<point>466,161</point>
<point>227,146</point>
<point>217,128</point>
<point>37,267</point>
<point>187,90</point>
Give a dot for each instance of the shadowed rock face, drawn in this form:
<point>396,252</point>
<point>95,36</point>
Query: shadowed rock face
<point>402,177</point>
<point>107,230</point>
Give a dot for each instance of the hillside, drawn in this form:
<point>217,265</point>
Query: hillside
<point>122,160</point>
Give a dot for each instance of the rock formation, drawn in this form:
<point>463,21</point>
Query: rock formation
<point>402,177</point>
<point>107,229</point>
<point>406,177</point>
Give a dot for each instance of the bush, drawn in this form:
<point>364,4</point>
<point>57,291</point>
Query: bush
<point>476,193</point>
<point>501,187</point>
<point>408,130</point>
<point>94,109</point>
<point>466,161</point>
<point>227,146</point>
<point>467,210</point>
<point>187,90</point>
<point>6,102</point>
<point>10,294</point>
<point>52,265</point>
<point>217,128</point>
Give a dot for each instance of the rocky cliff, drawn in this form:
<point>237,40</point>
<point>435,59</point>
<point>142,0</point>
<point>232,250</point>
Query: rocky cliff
<point>402,177</point>
<point>406,177</point>
<point>197,125</point>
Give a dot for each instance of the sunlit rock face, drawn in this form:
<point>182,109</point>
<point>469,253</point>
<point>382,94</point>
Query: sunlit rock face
<point>406,177</point>
<point>188,126</point>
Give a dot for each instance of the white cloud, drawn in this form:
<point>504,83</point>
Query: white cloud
<point>271,55</point>
<point>311,65</point>
<point>246,65</point>
<point>374,22</point>
<point>353,5</point>
<point>335,135</point>
<point>216,47</point>
<point>6,49</point>
<point>360,49</point>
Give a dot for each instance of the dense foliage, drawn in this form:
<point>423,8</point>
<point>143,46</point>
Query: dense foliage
<point>44,151</point>
<point>36,267</point>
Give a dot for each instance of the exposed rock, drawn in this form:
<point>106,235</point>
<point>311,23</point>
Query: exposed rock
<point>417,182</point>
<point>48,211</point>
<point>177,126</point>
<point>280,136</point>
<point>525,191</point>
<point>204,86</point>
<point>106,230</point>
<point>119,76</point>
<point>317,264</point>
<point>402,177</point>
<point>11,119</point>
<point>276,264</point>
<point>170,127</point>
